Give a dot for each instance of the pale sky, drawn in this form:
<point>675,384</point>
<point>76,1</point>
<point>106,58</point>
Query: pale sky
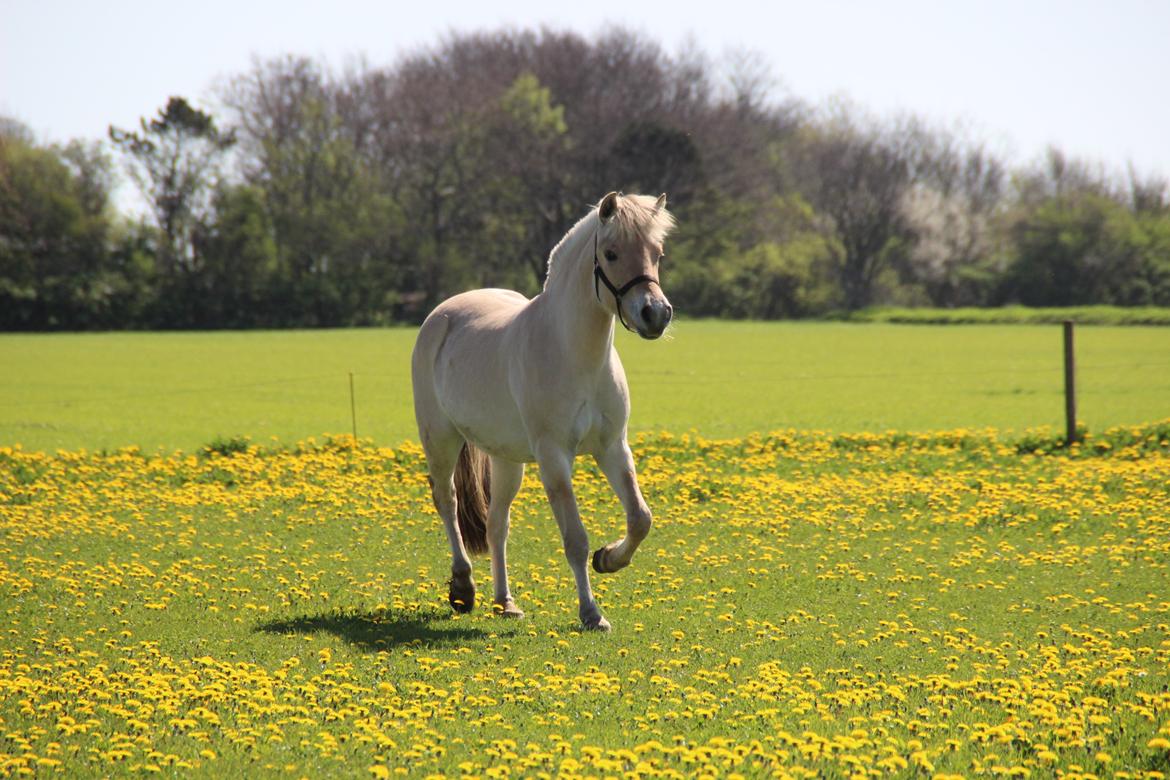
<point>1090,77</point>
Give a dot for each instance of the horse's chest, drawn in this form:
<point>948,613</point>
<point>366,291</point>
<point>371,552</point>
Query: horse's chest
<point>591,427</point>
<point>580,425</point>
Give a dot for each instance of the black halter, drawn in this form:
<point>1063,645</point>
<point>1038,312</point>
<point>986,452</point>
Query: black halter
<point>599,275</point>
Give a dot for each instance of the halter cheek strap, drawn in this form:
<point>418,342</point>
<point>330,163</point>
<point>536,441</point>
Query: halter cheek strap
<point>599,276</point>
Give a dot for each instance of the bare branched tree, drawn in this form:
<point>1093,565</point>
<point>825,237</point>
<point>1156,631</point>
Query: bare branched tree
<point>858,172</point>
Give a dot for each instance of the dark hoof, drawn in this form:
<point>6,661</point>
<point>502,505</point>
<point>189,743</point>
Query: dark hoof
<point>462,594</point>
<point>599,624</point>
<point>591,618</point>
<point>601,565</point>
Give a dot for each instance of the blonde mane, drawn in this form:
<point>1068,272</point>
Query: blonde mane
<point>636,217</point>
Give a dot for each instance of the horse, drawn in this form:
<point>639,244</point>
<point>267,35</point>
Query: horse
<point>501,381</point>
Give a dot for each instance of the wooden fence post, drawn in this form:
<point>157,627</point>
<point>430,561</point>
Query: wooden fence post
<point>352,409</point>
<point>1070,386</point>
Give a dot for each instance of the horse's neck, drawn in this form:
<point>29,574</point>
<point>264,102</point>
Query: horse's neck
<point>585,328</point>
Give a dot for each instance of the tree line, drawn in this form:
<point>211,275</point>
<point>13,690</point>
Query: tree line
<point>315,197</point>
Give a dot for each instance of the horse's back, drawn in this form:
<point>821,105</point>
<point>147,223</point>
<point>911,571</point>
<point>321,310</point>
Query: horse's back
<point>471,313</point>
<point>476,320</point>
<point>481,307</point>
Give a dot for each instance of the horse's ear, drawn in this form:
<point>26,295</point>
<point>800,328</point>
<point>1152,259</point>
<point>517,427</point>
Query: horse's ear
<point>607,207</point>
<point>661,202</point>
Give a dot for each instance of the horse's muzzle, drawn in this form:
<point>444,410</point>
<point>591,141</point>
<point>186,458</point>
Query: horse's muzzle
<point>654,316</point>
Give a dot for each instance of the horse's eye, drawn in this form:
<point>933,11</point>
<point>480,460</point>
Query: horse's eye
<point>610,255</point>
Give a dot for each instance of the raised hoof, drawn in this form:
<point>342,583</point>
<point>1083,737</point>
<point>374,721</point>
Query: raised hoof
<point>462,594</point>
<point>599,562</point>
<point>508,610</point>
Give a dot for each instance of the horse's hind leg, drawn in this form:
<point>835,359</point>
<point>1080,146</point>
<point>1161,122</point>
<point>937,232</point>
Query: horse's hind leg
<point>441,442</point>
<point>442,451</point>
<point>505,483</point>
<point>618,465</point>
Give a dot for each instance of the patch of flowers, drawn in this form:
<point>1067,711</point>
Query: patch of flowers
<point>942,605</point>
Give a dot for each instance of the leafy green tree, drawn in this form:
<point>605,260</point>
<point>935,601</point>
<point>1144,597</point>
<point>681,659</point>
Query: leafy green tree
<point>1084,248</point>
<point>777,281</point>
<point>175,159</point>
<point>237,279</point>
<point>331,226</point>
<point>54,239</point>
<point>526,205</point>
<point>788,274</point>
<point>707,234</point>
<point>336,215</point>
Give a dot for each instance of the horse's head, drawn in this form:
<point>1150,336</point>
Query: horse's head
<point>629,246</point>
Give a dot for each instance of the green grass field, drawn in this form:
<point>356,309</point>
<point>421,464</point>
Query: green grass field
<point>841,601</point>
<point>180,391</point>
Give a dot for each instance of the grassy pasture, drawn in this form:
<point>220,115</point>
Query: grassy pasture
<point>870,603</point>
<point>181,390</point>
<point>867,605</point>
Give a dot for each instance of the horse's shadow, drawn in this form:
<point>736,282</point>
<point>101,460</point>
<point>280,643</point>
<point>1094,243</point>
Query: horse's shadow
<point>377,630</point>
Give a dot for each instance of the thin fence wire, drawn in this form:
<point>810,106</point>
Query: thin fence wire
<point>136,396</point>
<point>664,376</point>
<point>1055,370</point>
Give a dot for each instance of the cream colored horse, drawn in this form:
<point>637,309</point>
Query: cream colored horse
<point>540,381</point>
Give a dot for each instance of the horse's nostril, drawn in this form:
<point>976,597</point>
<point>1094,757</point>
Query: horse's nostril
<point>647,314</point>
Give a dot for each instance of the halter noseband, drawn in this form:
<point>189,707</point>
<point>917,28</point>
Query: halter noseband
<point>599,275</point>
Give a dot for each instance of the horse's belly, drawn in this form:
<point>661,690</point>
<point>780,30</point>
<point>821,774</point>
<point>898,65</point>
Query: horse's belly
<point>515,450</point>
<point>472,387</point>
<point>495,429</point>
<point>505,436</point>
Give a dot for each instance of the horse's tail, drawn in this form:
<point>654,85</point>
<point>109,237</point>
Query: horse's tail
<point>473,492</point>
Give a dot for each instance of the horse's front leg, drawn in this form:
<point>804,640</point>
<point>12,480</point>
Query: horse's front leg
<point>617,463</point>
<point>556,473</point>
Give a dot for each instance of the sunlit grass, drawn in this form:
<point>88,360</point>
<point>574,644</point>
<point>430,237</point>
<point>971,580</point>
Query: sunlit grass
<point>1020,315</point>
<point>181,390</point>
<point>871,604</point>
